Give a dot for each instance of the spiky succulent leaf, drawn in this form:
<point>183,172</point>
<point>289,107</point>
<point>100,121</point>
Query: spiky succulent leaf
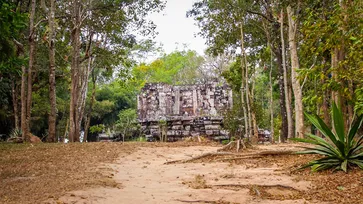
<point>338,122</point>
<point>323,143</point>
<point>353,130</point>
<point>359,163</point>
<point>321,126</point>
<point>344,165</point>
<point>343,150</point>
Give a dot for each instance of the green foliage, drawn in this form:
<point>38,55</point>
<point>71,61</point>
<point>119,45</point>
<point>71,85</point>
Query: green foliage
<point>225,142</point>
<point>233,75</point>
<point>12,22</point>
<point>233,119</point>
<point>127,123</point>
<point>102,108</point>
<point>110,100</point>
<point>342,150</point>
<point>179,67</point>
<point>97,128</point>
<point>325,28</point>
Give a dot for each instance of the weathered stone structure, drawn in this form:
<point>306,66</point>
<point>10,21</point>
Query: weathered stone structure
<point>186,110</point>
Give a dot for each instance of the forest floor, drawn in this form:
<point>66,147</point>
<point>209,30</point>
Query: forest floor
<point>161,173</point>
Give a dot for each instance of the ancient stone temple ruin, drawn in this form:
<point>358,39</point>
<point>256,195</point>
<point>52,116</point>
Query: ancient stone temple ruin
<point>185,111</point>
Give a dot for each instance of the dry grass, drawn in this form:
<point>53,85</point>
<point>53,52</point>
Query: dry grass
<point>32,173</point>
<point>328,186</point>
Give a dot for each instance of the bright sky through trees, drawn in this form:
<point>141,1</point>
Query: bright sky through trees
<point>175,29</point>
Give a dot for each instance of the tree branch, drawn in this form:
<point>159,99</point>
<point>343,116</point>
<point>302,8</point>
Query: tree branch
<point>260,14</point>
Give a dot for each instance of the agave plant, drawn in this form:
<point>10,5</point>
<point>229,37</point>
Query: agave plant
<point>16,132</point>
<point>341,150</point>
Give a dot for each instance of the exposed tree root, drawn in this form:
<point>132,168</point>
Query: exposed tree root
<point>245,156</point>
<point>248,186</point>
<point>257,155</point>
<point>233,144</point>
<point>195,201</point>
<point>272,152</point>
<point>200,157</point>
<point>236,158</point>
<point>226,147</point>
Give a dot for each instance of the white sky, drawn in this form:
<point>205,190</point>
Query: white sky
<point>175,29</point>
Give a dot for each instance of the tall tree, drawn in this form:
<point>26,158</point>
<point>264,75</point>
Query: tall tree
<point>52,84</point>
<point>27,78</point>
<point>222,23</point>
<point>299,115</point>
<point>290,126</point>
<point>74,126</point>
<point>101,19</point>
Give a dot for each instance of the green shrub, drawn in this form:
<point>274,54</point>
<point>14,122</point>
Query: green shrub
<point>225,142</point>
<point>97,128</point>
<point>341,151</point>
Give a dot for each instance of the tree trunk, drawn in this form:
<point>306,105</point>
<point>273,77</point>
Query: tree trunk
<point>24,82</point>
<point>334,64</point>
<point>65,131</point>
<point>284,128</point>
<point>14,93</point>
<point>350,106</point>
<point>93,99</point>
<point>247,127</point>
<point>299,114</point>
<point>85,72</point>
<point>326,97</point>
<point>22,112</point>
<point>275,44</point>
<point>73,108</point>
<point>253,114</point>
<point>271,98</point>
<point>52,86</point>
<point>251,133</point>
<point>288,102</point>
<point>26,94</point>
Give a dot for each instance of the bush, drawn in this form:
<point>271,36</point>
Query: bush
<point>97,128</point>
<point>341,151</point>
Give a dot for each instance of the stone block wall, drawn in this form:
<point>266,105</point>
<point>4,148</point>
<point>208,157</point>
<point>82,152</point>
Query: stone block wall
<point>188,110</point>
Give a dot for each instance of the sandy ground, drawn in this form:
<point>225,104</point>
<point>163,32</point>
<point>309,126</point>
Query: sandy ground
<point>144,178</point>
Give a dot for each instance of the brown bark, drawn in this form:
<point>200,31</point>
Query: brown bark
<point>75,35</point>
<point>252,132</point>
<point>14,93</point>
<point>23,124</point>
<point>253,114</point>
<point>299,115</point>
<point>52,86</point>
<point>271,98</point>
<point>245,115</point>
<point>26,89</point>
<point>290,127</point>
<point>84,75</point>
<point>350,106</point>
<point>334,64</point>
<point>326,98</point>
<point>284,127</point>
<point>93,99</point>
<point>273,37</point>
<point>325,108</point>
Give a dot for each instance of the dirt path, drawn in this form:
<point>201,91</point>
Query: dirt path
<point>145,179</point>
